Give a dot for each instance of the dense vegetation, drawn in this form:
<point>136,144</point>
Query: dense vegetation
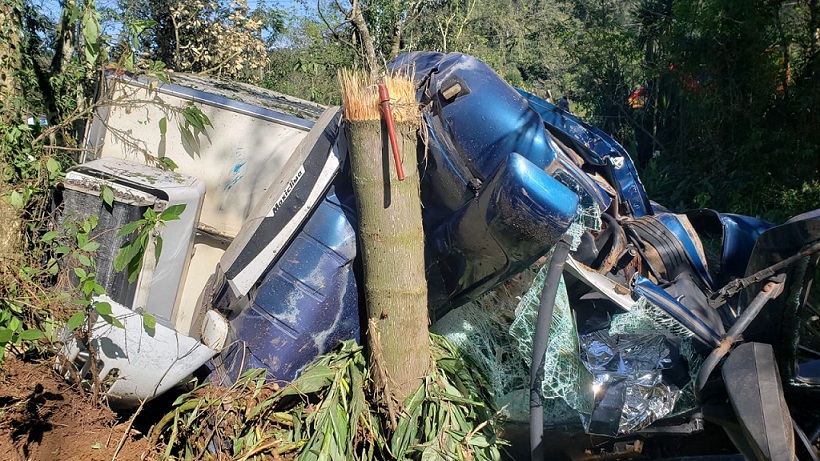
<point>725,117</point>
<point>730,97</point>
<point>718,101</point>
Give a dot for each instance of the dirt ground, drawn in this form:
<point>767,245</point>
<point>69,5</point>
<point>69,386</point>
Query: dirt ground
<point>43,418</point>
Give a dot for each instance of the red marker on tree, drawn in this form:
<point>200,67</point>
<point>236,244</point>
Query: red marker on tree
<point>384,98</point>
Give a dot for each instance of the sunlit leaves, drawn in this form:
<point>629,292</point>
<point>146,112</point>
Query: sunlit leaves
<point>130,256</point>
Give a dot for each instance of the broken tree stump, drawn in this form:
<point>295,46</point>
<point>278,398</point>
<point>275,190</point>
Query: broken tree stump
<point>390,232</point>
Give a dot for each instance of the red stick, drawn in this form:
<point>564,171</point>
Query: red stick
<point>384,97</point>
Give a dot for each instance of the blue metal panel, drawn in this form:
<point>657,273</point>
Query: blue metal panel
<point>487,151</point>
<point>488,119</point>
<point>603,151</point>
<point>491,120</point>
<point>644,287</point>
<point>739,236</point>
<point>471,133</point>
<point>518,215</point>
<point>307,301</point>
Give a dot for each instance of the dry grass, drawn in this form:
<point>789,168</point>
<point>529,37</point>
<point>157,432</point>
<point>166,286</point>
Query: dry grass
<point>360,96</point>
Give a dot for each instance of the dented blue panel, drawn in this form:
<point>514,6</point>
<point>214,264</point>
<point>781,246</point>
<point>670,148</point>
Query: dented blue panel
<point>643,287</point>
<point>486,120</point>
<point>673,224</point>
<point>518,215</point>
<point>739,236</point>
<point>307,301</point>
<point>475,121</point>
<point>601,150</point>
<point>491,207</point>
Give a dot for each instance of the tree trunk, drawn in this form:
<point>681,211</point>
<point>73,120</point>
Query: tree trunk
<point>64,43</point>
<point>10,64</point>
<point>357,19</point>
<point>391,240</point>
<point>11,26</point>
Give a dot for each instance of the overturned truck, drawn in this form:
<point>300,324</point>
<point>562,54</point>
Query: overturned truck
<point>603,321</point>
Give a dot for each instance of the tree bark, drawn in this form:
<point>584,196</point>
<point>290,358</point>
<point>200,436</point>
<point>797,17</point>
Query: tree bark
<point>357,19</point>
<point>11,61</point>
<point>64,43</point>
<point>392,248</point>
<point>11,26</point>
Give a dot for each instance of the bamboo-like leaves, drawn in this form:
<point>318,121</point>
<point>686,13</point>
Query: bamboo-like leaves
<point>326,415</point>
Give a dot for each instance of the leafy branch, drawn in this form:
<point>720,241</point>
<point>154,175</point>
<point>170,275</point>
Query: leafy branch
<point>131,255</point>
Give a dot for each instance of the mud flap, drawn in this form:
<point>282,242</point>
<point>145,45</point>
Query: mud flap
<point>756,394</point>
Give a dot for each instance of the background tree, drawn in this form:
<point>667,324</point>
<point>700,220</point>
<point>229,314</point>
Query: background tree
<point>373,29</point>
<point>524,41</point>
<point>11,59</point>
<point>306,62</point>
<point>736,101</point>
<point>216,37</point>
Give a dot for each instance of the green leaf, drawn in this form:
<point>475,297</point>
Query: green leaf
<point>172,212</point>
<point>157,248</point>
<point>107,196</point>
<point>127,254</point>
<point>479,441</point>
<point>150,215</point>
<point>196,118</point>
<point>167,164</point>
<point>5,335</point>
<point>192,119</point>
<point>90,246</point>
<point>128,61</point>
<point>113,321</point>
<point>31,335</point>
<point>49,236</point>
<point>148,321</point>
<point>82,239</point>
<point>130,227</point>
<point>431,454</point>
<point>163,126</point>
<point>16,200</point>
<point>75,320</point>
<point>103,308</point>
<point>73,12</point>
<point>205,120</point>
<point>89,286</point>
<point>312,380</point>
<point>53,268</point>
<point>91,28</point>
<point>92,52</point>
<point>80,272</point>
<point>134,268</point>
<point>85,260</point>
<point>188,137</point>
<point>53,166</point>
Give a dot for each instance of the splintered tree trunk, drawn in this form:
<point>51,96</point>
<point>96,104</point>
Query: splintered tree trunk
<point>391,235</point>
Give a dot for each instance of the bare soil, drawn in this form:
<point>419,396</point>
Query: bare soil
<point>44,418</point>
